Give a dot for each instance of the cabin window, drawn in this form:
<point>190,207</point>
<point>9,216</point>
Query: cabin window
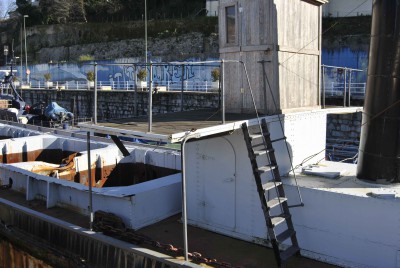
<point>230,24</point>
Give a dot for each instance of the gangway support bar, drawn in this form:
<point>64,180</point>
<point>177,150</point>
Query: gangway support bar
<point>120,145</point>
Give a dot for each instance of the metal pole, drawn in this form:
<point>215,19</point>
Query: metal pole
<point>183,74</point>
<point>323,85</point>
<point>223,91</point>
<point>95,94</point>
<point>21,59</point>
<point>150,108</point>
<point>349,86</point>
<point>320,55</point>
<point>26,53</point>
<point>265,87</point>
<point>345,87</point>
<point>90,182</point>
<point>184,207</point>
<point>145,30</point>
<point>135,108</point>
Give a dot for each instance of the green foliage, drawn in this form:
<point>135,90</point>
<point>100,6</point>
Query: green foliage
<point>67,11</point>
<point>142,74</point>
<point>85,58</point>
<point>360,25</point>
<point>90,76</point>
<point>47,77</point>
<point>25,7</point>
<point>215,74</point>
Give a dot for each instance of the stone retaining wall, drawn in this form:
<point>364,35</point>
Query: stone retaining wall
<point>120,104</point>
<point>343,136</point>
<point>344,126</point>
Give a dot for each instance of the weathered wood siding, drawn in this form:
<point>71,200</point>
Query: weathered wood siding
<point>298,53</point>
<point>233,83</point>
<point>284,32</point>
<point>298,80</point>
<point>297,23</point>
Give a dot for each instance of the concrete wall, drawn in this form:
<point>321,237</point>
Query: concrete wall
<point>120,104</point>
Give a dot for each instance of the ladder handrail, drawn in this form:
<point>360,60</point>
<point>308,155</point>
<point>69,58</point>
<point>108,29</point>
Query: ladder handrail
<point>281,125</point>
<point>259,124</point>
<point>279,118</point>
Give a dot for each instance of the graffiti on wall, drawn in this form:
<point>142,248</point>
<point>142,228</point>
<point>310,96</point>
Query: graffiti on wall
<point>110,71</point>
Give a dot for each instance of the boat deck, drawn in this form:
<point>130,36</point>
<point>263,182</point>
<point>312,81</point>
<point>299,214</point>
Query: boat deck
<point>170,127</point>
<point>234,252</point>
<point>174,127</point>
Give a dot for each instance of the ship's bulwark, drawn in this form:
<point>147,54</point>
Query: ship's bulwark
<point>379,144</point>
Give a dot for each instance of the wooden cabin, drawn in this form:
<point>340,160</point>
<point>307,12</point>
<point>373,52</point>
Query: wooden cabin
<point>286,34</point>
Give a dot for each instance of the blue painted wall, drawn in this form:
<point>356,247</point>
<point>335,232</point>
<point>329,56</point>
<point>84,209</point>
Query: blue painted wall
<point>119,73</point>
<point>345,57</point>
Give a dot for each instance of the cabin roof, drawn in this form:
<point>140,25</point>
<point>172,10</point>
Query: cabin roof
<point>171,127</point>
<point>174,127</point>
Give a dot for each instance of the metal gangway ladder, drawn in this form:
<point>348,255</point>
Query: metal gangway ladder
<point>268,181</point>
<point>259,145</point>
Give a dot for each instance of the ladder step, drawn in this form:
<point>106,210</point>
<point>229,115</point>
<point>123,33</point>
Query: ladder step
<point>285,235</point>
<point>271,185</point>
<point>262,152</point>
<point>280,139</point>
<point>258,145</point>
<point>265,168</point>
<point>276,201</point>
<point>289,252</point>
<point>277,220</point>
<point>255,136</point>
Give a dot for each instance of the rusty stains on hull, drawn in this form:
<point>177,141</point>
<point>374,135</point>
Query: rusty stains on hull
<point>54,156</point>
<point>60,164</point>
<point>16,251</point>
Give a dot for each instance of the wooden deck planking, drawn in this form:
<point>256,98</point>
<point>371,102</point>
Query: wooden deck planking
<point>172,123</point>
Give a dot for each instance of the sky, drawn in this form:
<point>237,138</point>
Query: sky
<point>5,4</point>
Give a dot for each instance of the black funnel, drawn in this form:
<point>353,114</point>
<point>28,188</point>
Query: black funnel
<point>380,145</point>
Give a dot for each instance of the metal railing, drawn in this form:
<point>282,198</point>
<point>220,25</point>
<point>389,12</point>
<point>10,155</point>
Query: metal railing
<point>342,82</point>
<point>201,86</point>
<point>342,149</point>
<point>337,89</point>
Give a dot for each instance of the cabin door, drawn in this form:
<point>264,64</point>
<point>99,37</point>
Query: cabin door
<point>219,182</point>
